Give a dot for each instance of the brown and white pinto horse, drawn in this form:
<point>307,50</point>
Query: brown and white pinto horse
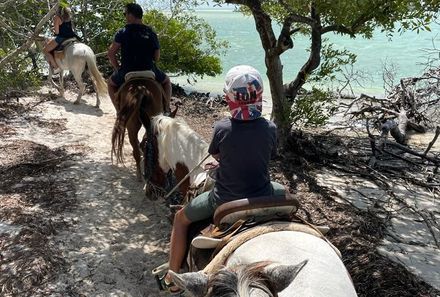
<point>177,149</point>
<point>136,102</point>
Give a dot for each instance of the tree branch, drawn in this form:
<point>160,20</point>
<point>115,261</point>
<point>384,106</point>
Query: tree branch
<point>28,43</point>
<point>314,60</point>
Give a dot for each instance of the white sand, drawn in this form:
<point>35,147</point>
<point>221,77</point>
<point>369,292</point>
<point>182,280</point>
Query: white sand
<point>119,236</point>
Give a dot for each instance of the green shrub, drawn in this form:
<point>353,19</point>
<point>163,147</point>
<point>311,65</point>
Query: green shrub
<point>313,108</point>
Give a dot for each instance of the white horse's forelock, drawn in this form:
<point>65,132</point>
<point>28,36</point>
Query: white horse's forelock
<point>178,143</point>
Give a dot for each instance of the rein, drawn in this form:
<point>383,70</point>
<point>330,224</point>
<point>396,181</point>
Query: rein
<point>187,175</point>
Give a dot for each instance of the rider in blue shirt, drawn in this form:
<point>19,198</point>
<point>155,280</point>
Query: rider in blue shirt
<point>140,50</point>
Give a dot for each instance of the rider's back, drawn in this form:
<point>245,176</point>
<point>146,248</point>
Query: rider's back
<point>66,30</point>
<point>245,149</point>
<point>138,45</point>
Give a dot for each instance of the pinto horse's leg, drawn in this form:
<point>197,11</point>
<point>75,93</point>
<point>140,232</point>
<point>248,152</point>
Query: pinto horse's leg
<point>133,127</point>
<point>81,86</point>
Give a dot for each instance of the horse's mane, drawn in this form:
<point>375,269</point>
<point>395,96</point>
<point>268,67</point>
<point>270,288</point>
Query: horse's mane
<point>240,280</point>
<point>178,143</point>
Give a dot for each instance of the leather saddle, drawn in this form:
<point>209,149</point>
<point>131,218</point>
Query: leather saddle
<point>235,216</point>
<point>148,74</point>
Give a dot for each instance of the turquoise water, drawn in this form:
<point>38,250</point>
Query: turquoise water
<point>403,50</point>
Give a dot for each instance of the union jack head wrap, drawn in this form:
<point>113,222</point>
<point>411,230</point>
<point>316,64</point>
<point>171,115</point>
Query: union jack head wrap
<point>244,92</point>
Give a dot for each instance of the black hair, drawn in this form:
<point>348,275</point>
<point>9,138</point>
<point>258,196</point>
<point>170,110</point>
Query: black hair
<point>134,9</point>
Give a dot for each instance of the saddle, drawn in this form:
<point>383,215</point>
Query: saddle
<point>236,216</point>
<point>59,51</point>
<point>148,74</point>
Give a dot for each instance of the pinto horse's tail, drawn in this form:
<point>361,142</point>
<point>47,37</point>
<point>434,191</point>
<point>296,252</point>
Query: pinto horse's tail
<point>136,99</point>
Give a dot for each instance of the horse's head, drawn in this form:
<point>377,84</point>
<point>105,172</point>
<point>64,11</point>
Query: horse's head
<point>261,279</point>
<point>163,156</point>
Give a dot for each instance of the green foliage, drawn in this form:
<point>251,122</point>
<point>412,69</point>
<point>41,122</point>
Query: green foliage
<point>315,19</point>
<point>17,79</point>
<point>332,62</point>
<point>312,109</point>
<point>188,44</point>
<point>97,21</point>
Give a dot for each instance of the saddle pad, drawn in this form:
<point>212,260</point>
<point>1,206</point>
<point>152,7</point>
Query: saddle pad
<point>68,41</point>
<point>206,242</point>
<point>140,74</point>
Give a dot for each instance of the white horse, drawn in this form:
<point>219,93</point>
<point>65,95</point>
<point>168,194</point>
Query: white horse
<point>283,263</point>
<point>76,56</point>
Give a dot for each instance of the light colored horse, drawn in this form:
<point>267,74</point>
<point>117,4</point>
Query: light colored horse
<point>76,57</point>
<point>180,149</point>
<point>284,264</point>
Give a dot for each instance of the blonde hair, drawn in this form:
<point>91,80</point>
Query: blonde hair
<point>64,13</point>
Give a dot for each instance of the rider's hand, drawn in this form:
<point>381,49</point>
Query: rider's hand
<point>211,165</point>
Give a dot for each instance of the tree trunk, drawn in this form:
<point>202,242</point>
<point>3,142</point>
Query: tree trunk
<point>314,60</point>
<point>280,111</point>
<point>274,70</point>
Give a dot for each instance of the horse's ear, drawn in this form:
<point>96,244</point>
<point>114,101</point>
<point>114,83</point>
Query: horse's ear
<point>195,283</point>
<point>280,275</point>
<point>177,104</point>
<point>174,112</point>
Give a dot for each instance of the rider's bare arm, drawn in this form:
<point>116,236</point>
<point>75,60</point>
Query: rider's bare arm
<point>157,55</point>
<point>56,24</point>
<point>111,54</point>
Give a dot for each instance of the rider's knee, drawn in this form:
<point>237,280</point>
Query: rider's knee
<point>181,218</point>
<point>166,81</point>
<point>111,83</point>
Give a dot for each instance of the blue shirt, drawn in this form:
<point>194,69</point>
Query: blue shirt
<point>245,149</point>
<point>138,45</point>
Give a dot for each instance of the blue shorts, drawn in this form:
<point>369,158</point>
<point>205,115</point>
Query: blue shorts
<point>118,77</point>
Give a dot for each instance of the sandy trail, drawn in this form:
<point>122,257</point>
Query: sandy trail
<point>118,235</point>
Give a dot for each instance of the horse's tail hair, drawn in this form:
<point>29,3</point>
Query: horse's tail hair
<point>143,112</point>
<point>100,84</point>
<point>137,99</point>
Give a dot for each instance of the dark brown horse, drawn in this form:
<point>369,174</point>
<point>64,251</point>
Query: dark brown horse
<point>136,102</point>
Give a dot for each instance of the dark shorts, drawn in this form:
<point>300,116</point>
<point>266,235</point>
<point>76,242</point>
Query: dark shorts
<point>59,39</point>
<point>203,206</point>
<point>118,77</point>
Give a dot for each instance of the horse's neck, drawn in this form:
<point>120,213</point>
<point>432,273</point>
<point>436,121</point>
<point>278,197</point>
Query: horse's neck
<point>182,147</point>
<point>323,275</point>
